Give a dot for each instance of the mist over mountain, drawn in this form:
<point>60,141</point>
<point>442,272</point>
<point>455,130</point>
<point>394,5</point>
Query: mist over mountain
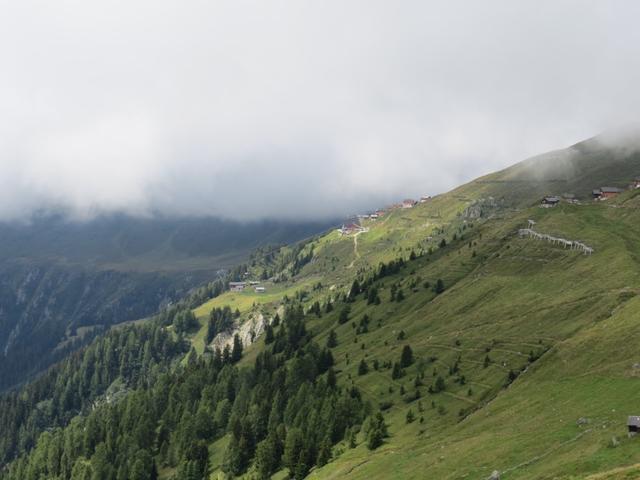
<point>319,240</point>
<point>63,282</point>
<point>390,348</point>
<point>249,110</point>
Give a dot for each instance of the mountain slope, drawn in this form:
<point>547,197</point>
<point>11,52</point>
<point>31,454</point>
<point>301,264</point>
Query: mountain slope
<point>62,282</point>
<point>529,299</point>
<point>480,349</point>
<point>577,311</point>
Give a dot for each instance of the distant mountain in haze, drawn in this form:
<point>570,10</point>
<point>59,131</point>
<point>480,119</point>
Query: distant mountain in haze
<point>399,348</point>
<point>60,280</point>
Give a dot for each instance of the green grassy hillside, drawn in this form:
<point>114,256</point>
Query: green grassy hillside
<point>534,342</point>
<point>480,349</point>
<point>579,312</point>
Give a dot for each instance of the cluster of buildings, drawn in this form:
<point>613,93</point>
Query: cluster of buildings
<point>406,203</point>
<point>598,194</point>
<point>553,200</point>
<point>409,202</point>
<point>240,286</point>
<point>353,226</point>
<point>605,193</point>
<point>372,216</point>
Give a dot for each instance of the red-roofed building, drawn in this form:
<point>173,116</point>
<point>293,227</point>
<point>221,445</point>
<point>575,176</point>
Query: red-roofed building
<point>609,192</point>
<point>350,228</point>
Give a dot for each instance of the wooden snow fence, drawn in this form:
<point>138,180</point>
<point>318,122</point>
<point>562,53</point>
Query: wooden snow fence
<point>571,244</point>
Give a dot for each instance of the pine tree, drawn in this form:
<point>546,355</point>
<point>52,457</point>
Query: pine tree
<point>372,296</point>
<point>363,368</point>
<point>410,416</point>
<point>233,462</point>
<point>377,432</point>
<point>344,315</point>
<point>354,291</point>
<point>302,467</point>
<point>439,385</point>
<point>332,339</point>
<point>236,351</point>
<point>331,378</point>
<point>406,358</point>
<point>324,453</point>
<point>353,438</point>
<point>293,446</point>
<point>487,361</point>
<point>268,335</point>
<point>267,458</point>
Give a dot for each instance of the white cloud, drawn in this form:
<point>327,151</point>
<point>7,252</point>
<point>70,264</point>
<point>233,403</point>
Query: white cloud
<point>295,108</point>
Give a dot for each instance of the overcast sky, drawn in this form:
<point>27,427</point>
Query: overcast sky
<point>294,109</point>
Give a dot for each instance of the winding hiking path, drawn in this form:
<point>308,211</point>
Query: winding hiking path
<point>355,247</point>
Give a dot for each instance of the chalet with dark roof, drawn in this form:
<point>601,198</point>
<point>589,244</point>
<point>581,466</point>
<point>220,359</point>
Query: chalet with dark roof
<point>237,286</point>
<point>633,424</point>
<point>551,201</point>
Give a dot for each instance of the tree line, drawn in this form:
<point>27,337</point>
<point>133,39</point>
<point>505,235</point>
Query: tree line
<point>284,411</point>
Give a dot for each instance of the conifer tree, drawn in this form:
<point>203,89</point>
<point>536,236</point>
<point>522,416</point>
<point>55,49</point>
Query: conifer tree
<point>377,432</point>
<point>268,335</point>
<point>344,315</point>
<point>410,416</point>
<point>324,453</point>
<point>267,458</point>
<point>396,373</point>
<point>332,339</point>
<point>363,368</point>
<point>293,446</point>
<point>406,358</point>
<point>236,352</point>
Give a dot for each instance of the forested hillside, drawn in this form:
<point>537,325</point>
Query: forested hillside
<point>438,341</point>
<point>63,282</point>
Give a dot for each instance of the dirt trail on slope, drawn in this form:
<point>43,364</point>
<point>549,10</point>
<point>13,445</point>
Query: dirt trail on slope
<point>355,248</point>
<point>619,472</point>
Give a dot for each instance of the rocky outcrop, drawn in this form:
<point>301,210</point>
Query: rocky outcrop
<point>482,208</point>
<point>248,331</point>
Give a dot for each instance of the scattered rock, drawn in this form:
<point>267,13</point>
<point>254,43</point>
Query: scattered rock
<point>614,442</point>
<point>583,421</point>
<point>495,475</point>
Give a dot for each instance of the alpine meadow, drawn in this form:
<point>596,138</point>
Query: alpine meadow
<point>436,341</point>
<point>319,240</point>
